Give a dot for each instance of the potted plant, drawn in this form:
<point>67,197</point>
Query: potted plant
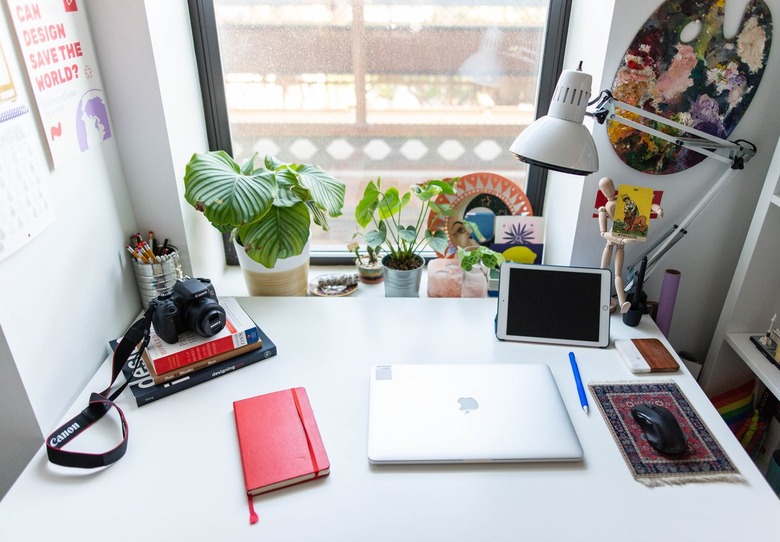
<point>402,242</point>
<point>268,209</point>
<point>369,267</point>
<point>484,259</point>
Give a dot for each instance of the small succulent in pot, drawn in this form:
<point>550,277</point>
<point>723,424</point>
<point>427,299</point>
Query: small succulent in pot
<point>368,264</point>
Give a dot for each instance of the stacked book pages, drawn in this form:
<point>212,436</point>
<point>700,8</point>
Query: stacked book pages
<point>164,369</point>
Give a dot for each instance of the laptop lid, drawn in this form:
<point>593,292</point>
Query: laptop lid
<point>468,413</point>
<point>554,304</point>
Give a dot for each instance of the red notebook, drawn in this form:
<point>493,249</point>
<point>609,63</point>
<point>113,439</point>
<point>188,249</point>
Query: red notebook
<point>279,441</point>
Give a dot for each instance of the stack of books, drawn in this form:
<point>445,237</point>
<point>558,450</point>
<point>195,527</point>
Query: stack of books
<point>164,369</point>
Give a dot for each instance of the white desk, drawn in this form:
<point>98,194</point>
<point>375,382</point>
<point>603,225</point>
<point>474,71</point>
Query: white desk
<point>181,478</point>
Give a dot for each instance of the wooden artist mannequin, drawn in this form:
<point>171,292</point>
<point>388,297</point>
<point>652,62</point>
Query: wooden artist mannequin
<point>615,244</point>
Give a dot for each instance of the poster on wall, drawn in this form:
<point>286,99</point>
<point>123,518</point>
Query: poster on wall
<point>56,44</point>
<point>7,88</point>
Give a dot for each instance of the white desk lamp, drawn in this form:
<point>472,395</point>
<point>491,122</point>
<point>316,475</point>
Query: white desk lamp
<point>560,142</point>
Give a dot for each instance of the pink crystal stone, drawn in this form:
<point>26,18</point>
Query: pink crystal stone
<point>444,277</point>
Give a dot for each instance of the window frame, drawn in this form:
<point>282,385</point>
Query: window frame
<point>206,44</point>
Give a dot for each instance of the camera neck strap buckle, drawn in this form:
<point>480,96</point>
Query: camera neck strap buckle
<point>99,404</point>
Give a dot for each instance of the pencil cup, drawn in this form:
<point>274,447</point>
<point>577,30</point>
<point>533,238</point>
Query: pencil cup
<point>154,279</point>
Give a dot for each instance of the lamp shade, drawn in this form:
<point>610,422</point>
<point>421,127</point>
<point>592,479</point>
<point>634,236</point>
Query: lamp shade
<point>559,141</point>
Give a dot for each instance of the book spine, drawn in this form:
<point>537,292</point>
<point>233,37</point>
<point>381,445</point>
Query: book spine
<point>198,365</point>
<point>181,371</point>
<point>204,351</point>
<point>142,386</point>
<point>146,391</point>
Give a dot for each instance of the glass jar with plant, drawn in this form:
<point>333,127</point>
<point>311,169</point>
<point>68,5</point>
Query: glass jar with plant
<point>403,241</point>
<point>477,262</point>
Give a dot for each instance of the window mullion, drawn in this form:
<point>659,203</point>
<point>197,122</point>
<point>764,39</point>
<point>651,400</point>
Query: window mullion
<point>359,62</point>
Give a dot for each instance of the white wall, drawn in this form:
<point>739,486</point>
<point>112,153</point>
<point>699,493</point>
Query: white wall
<point>148,63</point>
<point>586,42</point>
<point>707,256</point>
<point>71,288</point>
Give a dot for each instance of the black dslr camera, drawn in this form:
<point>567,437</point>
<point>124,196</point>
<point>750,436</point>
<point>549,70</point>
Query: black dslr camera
<point>191,306</point>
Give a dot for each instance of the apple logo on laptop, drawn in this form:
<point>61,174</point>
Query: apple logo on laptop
<point>467,404</point>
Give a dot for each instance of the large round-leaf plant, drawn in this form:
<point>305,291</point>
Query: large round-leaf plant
<point>269,207</point>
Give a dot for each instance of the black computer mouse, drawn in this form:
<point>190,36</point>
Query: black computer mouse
<point>660,427</point>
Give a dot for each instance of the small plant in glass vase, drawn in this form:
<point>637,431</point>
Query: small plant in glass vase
<point>368,265</point>
<point>477,262</point>
<point>403,242</point>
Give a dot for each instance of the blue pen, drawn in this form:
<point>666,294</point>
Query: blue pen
<point>578,380</point>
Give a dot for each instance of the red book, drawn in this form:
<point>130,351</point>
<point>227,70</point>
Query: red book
<point>239,331</point>
<point>279,441</point>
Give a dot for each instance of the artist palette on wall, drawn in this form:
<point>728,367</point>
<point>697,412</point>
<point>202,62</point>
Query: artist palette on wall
<point>681,66</point>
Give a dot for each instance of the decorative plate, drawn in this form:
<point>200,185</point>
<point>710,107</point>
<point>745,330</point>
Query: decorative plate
<point>480,191</point>
<point>334,284</point>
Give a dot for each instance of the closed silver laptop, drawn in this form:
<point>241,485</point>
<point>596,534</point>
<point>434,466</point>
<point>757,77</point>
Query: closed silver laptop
<point>474,413</point>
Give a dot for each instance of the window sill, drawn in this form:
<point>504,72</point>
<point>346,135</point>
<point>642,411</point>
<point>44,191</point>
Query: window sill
<point>231,281</point>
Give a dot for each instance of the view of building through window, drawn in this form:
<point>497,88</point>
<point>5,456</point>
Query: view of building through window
<point>405,90</point>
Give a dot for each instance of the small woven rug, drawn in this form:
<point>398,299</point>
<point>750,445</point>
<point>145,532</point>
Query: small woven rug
<point>704,460</point>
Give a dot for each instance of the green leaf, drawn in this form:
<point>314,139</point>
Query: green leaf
<point>367,205</point>
<point>326,191</point>
<point>317,215</point>
<point>376,237</point>
<point>390,203</point>
<point>444,209</point>
<point>445,187</point>
<point>282,233</point>
<point>273,163</point>
<point>489,258</point>
<point>249,166</point>
<point>408,233</point>
<point>489,261</point>
<point>215,185</point>
<point>438,240</point>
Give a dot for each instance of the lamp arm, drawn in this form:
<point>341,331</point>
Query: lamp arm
<point>649,250</point>
<point>653,258</point>
<point>739,152</point>
<point>666,242</point>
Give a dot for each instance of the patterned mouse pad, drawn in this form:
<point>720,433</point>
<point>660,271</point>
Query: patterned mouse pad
<point>704,461</point>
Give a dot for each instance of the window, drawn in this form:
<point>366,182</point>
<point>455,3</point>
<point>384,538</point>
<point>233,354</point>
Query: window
<point>405,90</point>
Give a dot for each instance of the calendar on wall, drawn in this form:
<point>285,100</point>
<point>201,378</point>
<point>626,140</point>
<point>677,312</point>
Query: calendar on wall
<point>25,208</point>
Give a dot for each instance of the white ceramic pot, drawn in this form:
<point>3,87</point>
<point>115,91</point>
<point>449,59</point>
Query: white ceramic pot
<point>289,277</point>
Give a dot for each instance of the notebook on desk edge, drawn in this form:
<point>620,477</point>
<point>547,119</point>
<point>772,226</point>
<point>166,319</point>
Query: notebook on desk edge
<point>436,413</point>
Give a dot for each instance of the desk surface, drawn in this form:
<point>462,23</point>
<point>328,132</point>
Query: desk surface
<point>181,478</point>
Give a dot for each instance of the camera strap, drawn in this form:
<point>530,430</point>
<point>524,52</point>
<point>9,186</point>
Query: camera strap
<point>99,404</point>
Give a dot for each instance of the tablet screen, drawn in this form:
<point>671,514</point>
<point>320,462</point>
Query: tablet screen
<point>552,304</point>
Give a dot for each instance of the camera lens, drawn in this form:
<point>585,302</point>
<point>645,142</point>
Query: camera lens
<point>205,317</point>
